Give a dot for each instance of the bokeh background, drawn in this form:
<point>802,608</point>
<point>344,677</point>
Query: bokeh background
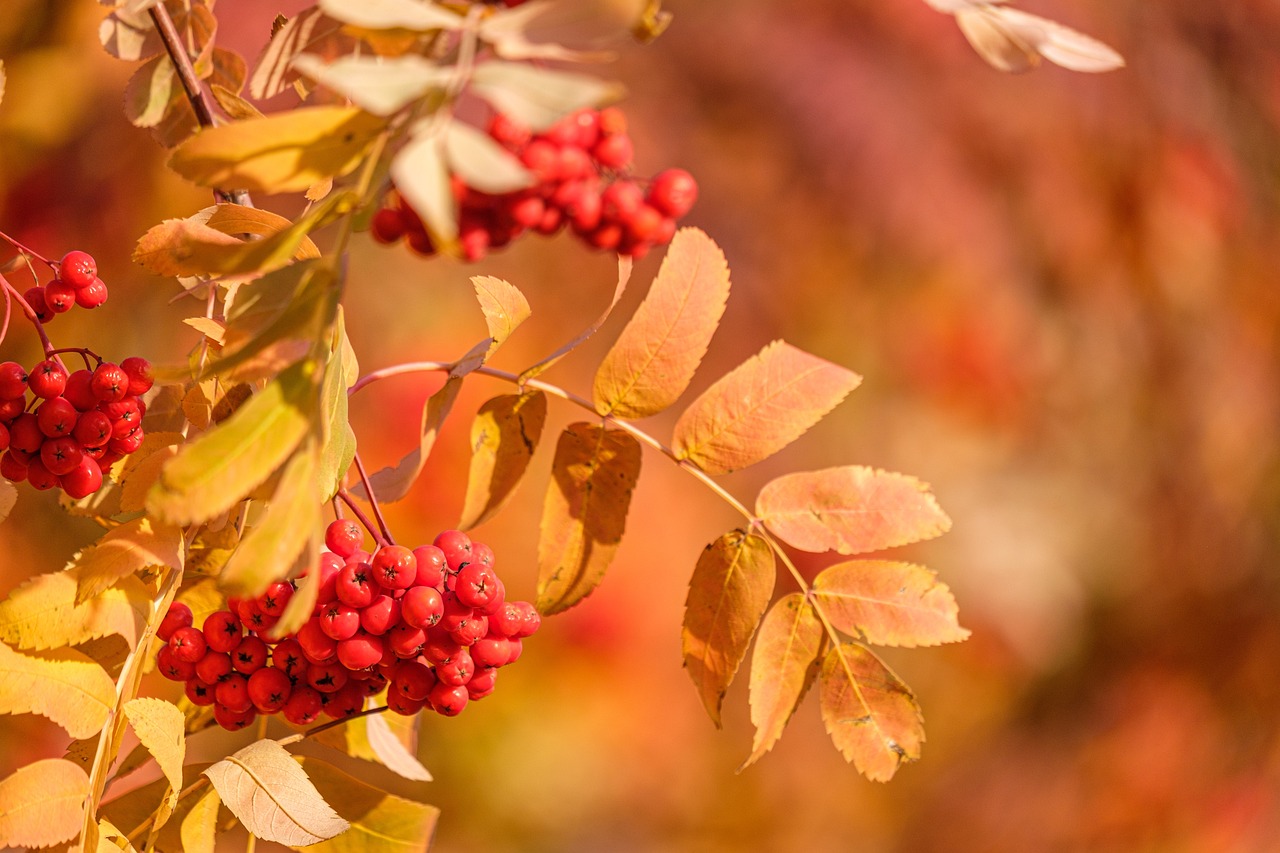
<point>1061,291</point>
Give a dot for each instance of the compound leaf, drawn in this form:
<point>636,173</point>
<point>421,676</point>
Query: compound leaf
<point>731,587</point>
<point>504,435</point>
<point>783,666</point>
<point>654,359</point>
<point>851,509</point>
<point>64,685</point>
<point>888,603</point>
<point>583,517</point>
<point>271,795</point>
<point>870,714</point>
<point>759,407</point>
<point>41,803</point>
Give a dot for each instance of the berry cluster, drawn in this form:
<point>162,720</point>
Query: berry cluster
<point>74,426</point>
<point>77,284</point>
<point>430,625</point>
<point>582,168</point>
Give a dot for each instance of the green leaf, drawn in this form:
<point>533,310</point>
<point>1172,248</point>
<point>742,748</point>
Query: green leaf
<point>380,822</point>
<point>539,97</point>
<point>223,465</point>
<point>339,447</point>
<point>267,552</point>
<point>380,85</point>
<point>284,152</point>
<point>504,435</point>
<point>483,163</point>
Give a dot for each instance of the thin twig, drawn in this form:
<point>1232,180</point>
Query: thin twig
<point>359,513</point>
<point>373,501</point>
<point>32,316</point>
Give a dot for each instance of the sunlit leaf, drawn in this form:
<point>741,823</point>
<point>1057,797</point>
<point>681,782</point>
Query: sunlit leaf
<point>272,796</point>
<point>126,549</point>
<point>380,822</point>
<point>585,512</point>
<point>233,104</point>
<point>129,35</point>
<point>783,666</point>
<point>41,803</point>
<point>303,600</point>
<point>503,305</point>
<point>850,510</point>
<point>269,548</point>
<point>273,74</point>
<point>111,839</point>
<point>392,14</point>
<point>128,811</point>
<point>730,589</point>
<point>562,30</point>
<point>147,95</point>
<point>284,152</point>
<point>159,726</point>
<point>539,97</point>
<point>759,408</point>
<point>421,175</point>
<point>199,828</point>
<point>393,740</point>
<point>654,359</point>
<point>504,435</point>
<point>872,717</point>
<point>482,163</point>
<point>1013,40</point>
<point>8,498</point>
<point>222,465</point>
<point>339,439</point>
<point>380,85</point>
<point>42,613</point>
<point>62,684</point>
<point>888,603</point>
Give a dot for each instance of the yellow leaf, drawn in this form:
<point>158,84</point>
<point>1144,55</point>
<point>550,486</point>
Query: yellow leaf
<point>503,305</point>
<point>393,739</point>
<point>8,497</point>
<point>888,603</point>
<point>872,717</point>
<point>272,796</point>
<point>782,668</point>
<point>504,435</point>
<point>43,613</point>
<point>41,803</point>
<point>200,826</point>
<point>61,684</point>
<point>285,152</point>
<point>132,546</point>
<point>380,822</point>
<point>159,727</point>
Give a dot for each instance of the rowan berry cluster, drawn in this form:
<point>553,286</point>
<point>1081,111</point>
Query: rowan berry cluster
<point>74,426</point>
<point>430,626</point>
<point>77,284</point>
<point>582,167</point>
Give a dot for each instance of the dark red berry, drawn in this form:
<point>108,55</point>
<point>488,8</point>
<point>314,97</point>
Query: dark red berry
<point>318,646</point>
<point>412,680</point>
<point>269,690</point>
<point>139,371</point>
<point>172,668</point>
<point>177,616</point>
<point>327,677</point>
<point>233,692</point>
<point>303,706</point>
<point>277,595</point>
<point>213,667</point>
<point>199,693</point>
<point>13,381</point>
<point>48,379</point>
<point>12,469</point>
<point>35,297</point>
<point>39,476</point>
<point>448,700</point>
<point>232,721</point>
<point>79,390</point>
<point>187,644</point>
<point>222,631</point>
<point>250,656</point>
<point>83,480</point>
<point>61,455</point>
<point>57,417</point>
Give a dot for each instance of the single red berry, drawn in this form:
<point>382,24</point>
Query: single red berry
<point>92,296</point>
<point>198,692</point>
<point>35,297</point>
<point>78,269</point>
<point>387,226</point>
<point>269,690</point>
<point>552,221</point>
<point>4,437</point>
<point>406,641</point>
<point>250,656</point>
<point>422,607</point>
<point>432,566</point>
<point>517,648</point>
<point>448,700</point>
<point>575,163</point>
<point>343,537</point>
<point>543,159</point>
<point>355,585</point>
<point>109,382</point>
<point>92,429</point>
<point>13,381</point>
<point>644,223</point>
<point>458,670</point>
<point>59,296</point>
<point>287,656</point>
<point>530,620</point>
<point>25,433</point>
<point>187,644</point>
<point>471,630</point>
<point>374,682</point>
<point>509,132</point>
<point>213,667</point>
<point>440,647</point>
<point>456,546</point>
<point>11,469</point>
<point>507,620</point>
<point>40,477</point>
<point>233,721</point>
<point>10,409</point>
<point>665,232</point>
<point>340,621</point>
<point>139,371</point>
<point>346,702</point>
<point>327,677</point>
<point>303,706</point>
<point>48,379</point>
<point>620,201</point>
<point>61,455</point>
<point>606,236</point>
<point>222,631</point>
<point>318,646</point>
<point>477,585</point>
<point>329,567</point>
<point>412,680</point>
<point>83,480</point>
<point>614,152</point>
<point>360,651</point>
<point>79,390</point>
<point>395,567</point>
<point>380,615</point>
<point>490,651</point>
<point>474,241</point>
<point>172,668</point>
<point>277,595</point>
<point>126,444</point>
<point>399,704</point>
<point>177,616</point>
<point>455,612</point>
<point>57,417</point>
<point>482,684</point>
<point>233,692</point>
<point>420,243</point>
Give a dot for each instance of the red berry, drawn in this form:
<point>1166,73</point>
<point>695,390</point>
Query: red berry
<point>448,700</point>
<point>233,693</point>
<point>612,121</point>
<point>455,612</point>
<point>543,159</point>
<point>387,226</point>
<point>355,586</point>
<point>79,390</point>
<point>36,299</point>
<point>11,469</point>
<point>395,567</point>
<point>61,455</point>
<point>277,595</point>
<point>222,631</point>
<point>620,201</point>
<point>233,721</point>
<point>431,566</point>
<point>39,476</point>
<point>57,417</point>
<point>269,690</point>
<point>250,656</point>
<point>517,648</point>
<point>399,704</point>
<point>422,607</point>
<point>288,656</point>
<point>526,210</point>
<point>13,381</point>
<point>456,546</point>
<point>440,648</point>
<point>406,641</point>
<point>172,668</point>
<point>471,629</point>
<point>361,651</point>
<point>491,651</point>
<point>303,706</point>
<point>345,702</point>
<point>477,585</point>
<point>644,223</point>
<point>614,152</point>
<point>127,444</point>
<point>339,621</point>
<point>187,644</point>
<point>507,620</point>
<point>139,371</point>
<point>482,684</point>
<point>48,379</point>
<point>177,616</point>
<point>458,670</point>
<point>93,295</point>
<point>109,383</point>
<point>318,646</point>
<point>83,480</point>
<point>59,296</point>
<point>412,680</point>
<point>673,192</point>
<point>213,667</point>
<point>343,537</point>
<point>78,269</point>
<point>530,619</point>
<point>381,615</point>
<point>25,434</point>
<point>327,677</point>
<point>508,131</point>
<point>199,693</point>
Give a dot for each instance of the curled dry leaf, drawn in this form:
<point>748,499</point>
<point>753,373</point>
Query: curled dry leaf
<point>585,512</point>
<point>888,603</point>
<point>654,359</point>
<point>270,793</point>
<point>871,715</point>
<point>851,509</point>
<point>41,803</point>
<point>730,589</point>
<point>62,684</point>
<point>783,666</point>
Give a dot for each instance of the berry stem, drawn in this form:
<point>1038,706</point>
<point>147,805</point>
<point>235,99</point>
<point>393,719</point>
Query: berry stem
<point>332,724</point>
<point>359,514</point>
<point>84,352</point>
<point>373,503</point>
<point>31,315</point>
<point>32,253</point>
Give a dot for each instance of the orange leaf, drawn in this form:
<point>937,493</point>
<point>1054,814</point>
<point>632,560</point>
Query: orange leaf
<point>872,717</point>
<point>850,510</point>
<point>594,472</point>
<point>782,668</point>
<point>504,435</point>
<point>888,603</point>
<point>654,359</point>
<point>40,804</point>
<point>730,589</point>
<point>759,408</point>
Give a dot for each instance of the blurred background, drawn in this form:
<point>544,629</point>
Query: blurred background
<point>1060,290</point>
